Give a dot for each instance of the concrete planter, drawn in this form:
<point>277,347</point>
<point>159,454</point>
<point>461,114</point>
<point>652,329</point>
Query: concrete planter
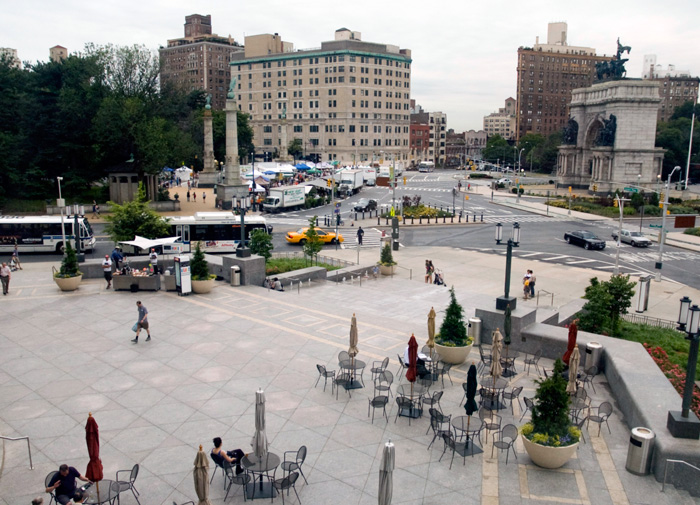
<point>68,283</point>
<point>453,355</point>
<point>203,287</point>
<point>387,270</point>
<point>549,457</point>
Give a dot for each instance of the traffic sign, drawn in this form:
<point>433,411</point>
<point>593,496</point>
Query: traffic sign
<point>655,226</point>
<point>337,205</point>
<point>337,211</point>
<point>631,190</point>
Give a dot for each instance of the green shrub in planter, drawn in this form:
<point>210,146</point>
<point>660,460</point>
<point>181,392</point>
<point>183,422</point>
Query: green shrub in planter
<point>69,264</point>
<point>199,266</point>
<point>386,258</point>
<point>453,331</point>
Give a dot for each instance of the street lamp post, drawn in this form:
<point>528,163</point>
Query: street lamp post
<point>681,424</point>
<point>242,205</point>
<point>662,238</point>
<point>252,153</point>
<point>61,205</point>
<point>504,301</point>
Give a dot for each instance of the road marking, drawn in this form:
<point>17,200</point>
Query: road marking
<point>528,255</point>
<point>579,262</point>
<point>554,258</point>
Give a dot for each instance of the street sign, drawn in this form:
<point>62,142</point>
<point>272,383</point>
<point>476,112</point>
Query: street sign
<point>655,226</point>
<point>631,190</point>
<point>337,205</point>
<point>337,211</point>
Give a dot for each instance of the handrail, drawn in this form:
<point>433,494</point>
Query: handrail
<point>546,292</point>
<point>29,449</point>
<point>663,486</point>
<point>410,272</point>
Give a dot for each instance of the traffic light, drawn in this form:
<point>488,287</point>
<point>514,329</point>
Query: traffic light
<point>570,188</point>
<point>615,203</point>
<point>404,181</point>
<point>328,183</point>
<point>595,187</point>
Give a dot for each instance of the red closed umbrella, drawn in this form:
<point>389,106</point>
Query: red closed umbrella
<point>573,334</point>
<point>411,373</point>
<point>92,437</point>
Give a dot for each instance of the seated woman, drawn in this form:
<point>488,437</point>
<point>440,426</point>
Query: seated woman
<point>233,457</point>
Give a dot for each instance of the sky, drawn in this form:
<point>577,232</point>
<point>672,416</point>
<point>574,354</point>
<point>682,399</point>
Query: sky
<point>464,52</point>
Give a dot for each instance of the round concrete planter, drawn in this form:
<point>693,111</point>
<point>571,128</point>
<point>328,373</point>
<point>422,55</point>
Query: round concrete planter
<point>203,287</point>
<point>68,283</point>
<point>549,457</point>
<point>453,355</point>
<point>387,270</point>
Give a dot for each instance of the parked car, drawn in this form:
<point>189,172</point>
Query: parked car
<point>365,204</point>
<point>299,236</point>
<point>635,238</point>
<point>505,181</point>
<point>585,239</point>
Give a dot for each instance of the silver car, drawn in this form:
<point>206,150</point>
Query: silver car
<point>634,238</point>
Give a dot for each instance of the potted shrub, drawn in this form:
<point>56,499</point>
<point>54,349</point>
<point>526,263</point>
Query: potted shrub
<point>202,280</point>
<point>68,278</point>
<point>549,438</point>
<point>452,342</point>
<point>387,265</point>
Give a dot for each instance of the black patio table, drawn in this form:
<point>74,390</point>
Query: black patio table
<point>352,366</point>
<point>508,363</point>
<point>464,428</point>
<point>415,395</point>
<point>496,387</point>
<point>260,466</point>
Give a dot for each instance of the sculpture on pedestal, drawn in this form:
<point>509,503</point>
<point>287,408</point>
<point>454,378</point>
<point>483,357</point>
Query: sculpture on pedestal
<point>570,132</point>
<point>615,68</point>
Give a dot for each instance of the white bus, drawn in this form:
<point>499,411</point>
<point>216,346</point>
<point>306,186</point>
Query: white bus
<point>42,233</point>
<point>426,166</point>
<point>218,231</point>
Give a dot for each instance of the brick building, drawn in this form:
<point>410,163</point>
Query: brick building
<point>676,86</point>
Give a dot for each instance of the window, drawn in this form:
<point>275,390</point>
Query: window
<point>267,142</point>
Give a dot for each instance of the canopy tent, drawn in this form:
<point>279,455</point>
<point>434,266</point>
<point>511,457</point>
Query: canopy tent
<point>258,187</point>
<point>302,166</point>
<point>324,165</point>
<point>147,243</point>
<point>168,169</point>
<point>313,171</point>
<point>262,180</point>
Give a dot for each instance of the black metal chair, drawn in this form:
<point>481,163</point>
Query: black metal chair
<point>294,464</point>
<point>402,367</point>
<point>218,463</point>
<point>47,481</point>
<point>533,361</point>
<point>404,403</point>
<point>579,424</point>
<point>285,484</point>
<point>343,356</point>
<point>492,421</point>
<point>433,400</point>
<point>439,423</point>
<point>455,446</point>
<point>242,479</point>
<point>464,397</point>
<point>589,375</point>
<point>128,484</point>
<point>504,439</point>
<point>485,358</point>
<point>378,402</point>
<point>445,370</point>
<point>378,367</point>
<point>340,381</point>
<point>326,374</point>
<point>486,396</point>
<point>529,403</point>
<point>605,410</point>
<point>383,383</point>
<point>513,395</point>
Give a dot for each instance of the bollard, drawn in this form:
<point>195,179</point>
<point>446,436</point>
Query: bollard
<point>309,281</point>
<point>413,220</point>
<point>420,219</point>
<point>459,220</point>
<point>378,220</point>
<point>482,217</point>
<point>474,217</point>
<point>452,220</point>
<point>298,287</point>
<point>316,221</point>
<point>404,219</point>
<point>443,219</point>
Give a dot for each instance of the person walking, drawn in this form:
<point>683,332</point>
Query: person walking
<point>142,323</point>
<point>15,256</point>
<point>107,270</point>
<point>526,285</point>
<point>204,197</point>
<point>194,196</point>
<point>5,276</point>
<point>153,258</point>
<point>360,234</point>
<point>117,258</point>
<point>533,279</point>
<point>429,269</point>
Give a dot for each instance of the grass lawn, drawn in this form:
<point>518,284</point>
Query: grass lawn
<point>673,342</point>
<point>282,265</point>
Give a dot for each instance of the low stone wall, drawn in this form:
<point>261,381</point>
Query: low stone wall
<point>302,275</point>
<point>347,272</point>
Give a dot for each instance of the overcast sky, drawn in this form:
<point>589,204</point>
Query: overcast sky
<point>464,52</point>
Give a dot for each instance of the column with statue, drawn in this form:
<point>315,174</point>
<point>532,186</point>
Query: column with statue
<point>284,140</point>
<point>231,185</point>
<point>208,177</point>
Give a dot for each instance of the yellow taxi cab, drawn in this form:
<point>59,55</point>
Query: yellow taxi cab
<point>299,236</point>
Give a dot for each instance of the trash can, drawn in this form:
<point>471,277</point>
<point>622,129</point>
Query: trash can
<point>640,451</point>
<point>235,275</point>
<point>474,329</point>
<point>594,351</point>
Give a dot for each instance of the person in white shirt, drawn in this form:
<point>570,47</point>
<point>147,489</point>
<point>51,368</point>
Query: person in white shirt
<point>5,276</point>
<point>107,270</point>
<point>154,260</point>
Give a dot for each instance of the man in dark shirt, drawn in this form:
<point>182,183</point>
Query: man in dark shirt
<point>63,483</point>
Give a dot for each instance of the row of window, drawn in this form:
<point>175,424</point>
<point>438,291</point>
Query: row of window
<point>328,59</point>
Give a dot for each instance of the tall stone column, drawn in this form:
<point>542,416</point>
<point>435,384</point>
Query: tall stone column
<point>208,177</point>
<point>231,185</point>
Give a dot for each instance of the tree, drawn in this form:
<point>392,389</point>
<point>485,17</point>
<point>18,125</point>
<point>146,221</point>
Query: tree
<point>607,301</point>
<point>313,245</point>
<point>295,149</point>
<point>129,71</point>
<point>550,414</point>
<point>452,330</point>
<point>261,243</point>
<point>69,264</point>
<point>199,266</point>
<point>674,136</point>
<point>135,218</point>
<point>496,148</point>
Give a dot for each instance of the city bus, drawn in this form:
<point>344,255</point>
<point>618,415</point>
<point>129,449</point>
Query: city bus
<point>426,166</point>
<point>42,233</point>
<point>217,231</point>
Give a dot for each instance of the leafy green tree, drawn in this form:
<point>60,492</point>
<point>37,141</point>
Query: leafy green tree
<point>261,243</point>
<point>313,245</point>
<point>496,148</point>
<point>385,257</point>
<point>674,136</point>
<point>453,330</point>
<point>550,414</point>
<point>296,148</point>
<point>69,264</point>
<point>199,265</point>
<point>607,301</point>
<point>135,218</point>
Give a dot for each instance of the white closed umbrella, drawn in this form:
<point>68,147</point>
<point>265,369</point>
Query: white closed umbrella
<point>260,438</point>
<point>573,370</point>
<point>496,346</point>
<point>386,474</point>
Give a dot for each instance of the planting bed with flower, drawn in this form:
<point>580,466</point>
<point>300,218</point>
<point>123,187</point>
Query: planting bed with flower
<point>675,374</point>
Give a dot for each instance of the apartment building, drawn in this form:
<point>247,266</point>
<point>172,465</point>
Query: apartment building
<point>199,60</point>
<point>10,54</point>
<point>547,73</point>
<point>502,122</point>
<point>676,86</point>
<point>58,53</point>
<point>347,101</point>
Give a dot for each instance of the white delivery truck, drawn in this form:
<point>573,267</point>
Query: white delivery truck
<point>285,198</point>
<point>350,181</point>
<point>369,175</point>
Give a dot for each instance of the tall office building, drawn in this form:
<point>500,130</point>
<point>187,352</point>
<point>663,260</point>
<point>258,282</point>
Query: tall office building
<point>199,60</point>
<point>502,122</point>
<point>345,101</point>
<point>676,86</point>
<point>546,75</point>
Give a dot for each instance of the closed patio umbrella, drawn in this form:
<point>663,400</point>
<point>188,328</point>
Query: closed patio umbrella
<point>386,474</point>
<point>94,470</point>
<point>573,370</point>
<point>431,331</point>
<point>353,350</point>
<point>412,372</point>
<point>260,438</point>
<point>496,369</point>
<point>471,406</point>
<point>573,334</point>
<point>201,477</point>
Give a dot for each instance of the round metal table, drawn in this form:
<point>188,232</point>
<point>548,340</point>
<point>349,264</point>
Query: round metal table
<point>260,466</point>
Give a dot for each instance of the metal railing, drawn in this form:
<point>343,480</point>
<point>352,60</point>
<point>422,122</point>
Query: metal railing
<point>546,293</point>
<point>663,486</point>
<point>651,321</point>
<point>29,449</point>
<point>317,259</point>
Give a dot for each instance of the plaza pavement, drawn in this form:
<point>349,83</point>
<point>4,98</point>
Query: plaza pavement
<point>63,355</point>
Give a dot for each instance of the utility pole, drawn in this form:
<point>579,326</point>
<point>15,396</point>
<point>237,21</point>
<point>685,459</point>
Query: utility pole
<point>662,236</point>
<point>621,205</point>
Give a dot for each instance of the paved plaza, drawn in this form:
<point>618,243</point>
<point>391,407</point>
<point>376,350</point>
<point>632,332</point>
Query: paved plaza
<point>63,355</point>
